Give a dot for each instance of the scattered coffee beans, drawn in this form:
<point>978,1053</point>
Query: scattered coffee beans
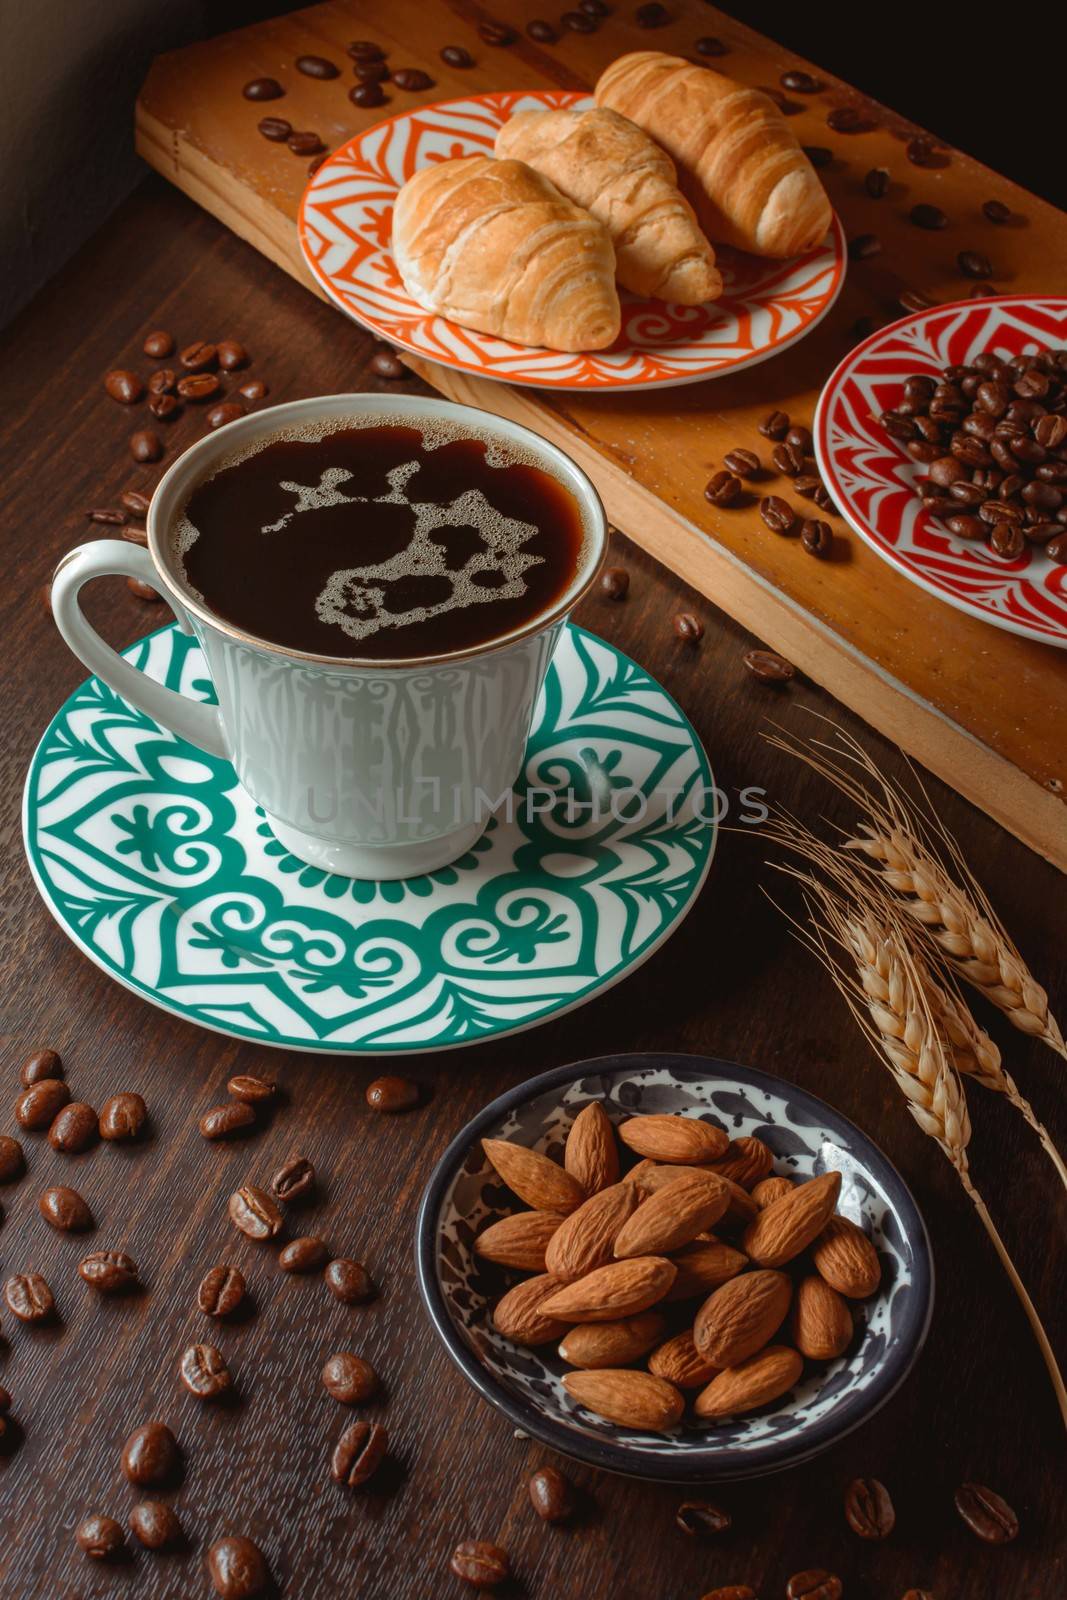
<point>988,1516</point>
<point>816,537</point>
<point>29,1298</point>
<point>306,1254</point>
<point>221,1291</point>
<point>497,34</point>
<point>150,1456</point>
<point>110,1271</point>
<point>123,1117</point>
<point>158,345</point>
<point>74,1129</point>
<point>777,513</point>
<point>876,182</point>
<point>124,386</point>
<point>254,389</point>
<point>454,55</point>
<point>579,22</point>
<point>722,488</point>
<point>65,1209</point>
<point>868,1509</point>
<point>143,591</point>
<point>156,1525</point>
<point>236,1568</point>
<point>775,426</point>
<point>145,445</point>
<point>367,95</point>
<point>305,144</point>
<point>254,1213</point>
<point>40,1064</point>
<point>652,15</point>
<point>221,1122</point>
<point>349,1281</point>
<point>107,517</point>
<point>255,1091</point>
<point>541,32</point>
<point>863,246</point>
<point>317,67</point>
<point>226,411</point>
<point>358,1453</point>
<point>231,355</point>
<point>995,211</point>
<point>974,265</point>
<point>702,1517</point>
<point>615,583</point>
<point>800,438</point>
<point>164,407</point>
<point>687,627</point>
<point>39,1105</point>
<point>786,458</point>
<point>392,1094</point>
<point>294,1180</point>
<point>798,82</point>
<point>387,364</point>
<point>365,50</point>
<point>742,463</point>
<point>12,1160</point>
<point>100,1537</point>
<point>818,154</point>
<point>551,1494</point>
<point>349,1378</point>
<point>851,119</point>
<point>200,356</point>
<point>814,1585</point>
<point>709,45</point>
<point>932,218</point>
<point>768,667</point>
<point>163,381</point>
<point>922,152</point>
<point>255,89</point>
<point>198,387</point>
<point>412,79</point>
<point>204,1372</point>
<point>276,129</point>
<point>482,1565</point>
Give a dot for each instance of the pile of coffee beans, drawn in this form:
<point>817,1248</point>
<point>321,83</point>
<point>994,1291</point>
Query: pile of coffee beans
<point>991,438</point>
<point>790,455</point>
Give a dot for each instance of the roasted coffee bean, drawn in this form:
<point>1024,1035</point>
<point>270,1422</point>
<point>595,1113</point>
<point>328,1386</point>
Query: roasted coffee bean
<point>305,143</point>
<point>652,15</point>
<point>163,381</point>
<point>816,537</point>
<point>12,1160</point>
<point>100,1537</point>
<point>851,119</point>
<point>579,22</point>
<point>164,407</point>
<point>74,1129</point>
<point>158,344</point>
<point>40,1064</point>
<point>868,1509</point>
<point>777,513</point>
<point>358,1453</point>
<point>800,438</point>
<point>1007,540</point>
<point>37,1106</point>
<point>922,450</point>
<point>788,459</point>
<point>156,1525</point>
<point>454,55</point>
<point>255,89</point>
<point>29,1298</point>
<point>615,583</point>
<point>412,79</point>
<point>349,1378</point>
<point>254,389</point>
<point>996,211</point>
<point>1042,532</point>
<point>199,356</point>
<point>946,470</point>
<point>367,95</point>
<point>595,8</point>
<point>294,1180</point>
<point>814,1585</point>
<point>124,386</point>
<point>276,129</point>
<point>799,82</point>
<point>220,415</point>
<point>65,1209</point>
<point>863,246</point>
<point>914,300</point>
<point>107,516</point>
<point>146,445</point>
<point>929,217</point>
<point>204,1372</point>
<point>722,488</point>
<point>150,1456</point>
<point>1056,549</point>
<point>687,627</point>
<point>387,364</point>
<point>221,1291</point>
<point>253,1090</point>
<point>392,1094</point>
<point>541,32</point>
<point>775,426</point>
<point>236,1568</point>
<point>136,536</point>
<point>372,71</point>
<point>199,387</point>
<point>986,1514</point>
<point>702,1517</point>
<point>254,1213</point>
<point>482,1565</point>
<point>317,67</point>
<point>551,1494</point>
<point>123,1117</point>
<point>349,1281</point>
<point>221,1122</point>
<point>365,50</point>
<point>1050,431</point>
<point>231,355</point>
<point>496,33</point>
<point>818,154</point>
<point>110,1271</point>
<point>965,526</point>
<point>876,182</point>
<point>768,667</point>
<point>973,264</point>
<point>742,463</point>
<point>306,1254</point>
<point>921,152</point>
<point>143,591</point>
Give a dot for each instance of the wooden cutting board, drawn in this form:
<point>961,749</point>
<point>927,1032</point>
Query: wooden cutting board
<point>983,709</point>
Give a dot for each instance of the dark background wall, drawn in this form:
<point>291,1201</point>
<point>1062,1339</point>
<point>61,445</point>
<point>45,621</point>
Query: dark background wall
<point>70,70</point>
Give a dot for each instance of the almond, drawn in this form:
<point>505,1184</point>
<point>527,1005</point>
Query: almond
<point>737,1319</point>
<point>680,1362</point>
<point>632,1399</point>
<point>790,1224</point>
<point>751,1383</point>
<point>640,1172</point>
<point>651,1176</point>
<point>621,1290</point>
<point>591,1155</point>
<point>585,1239</point>
<point>702,1266</point>
<point>770,1189</point>
<point>520,1315</point>
<point>519,1241</point>
<point>821,1322</point>
<point>672,1217</point>
<point>542,1183</point>
<point>847,1259</point>
<point>684,1140</point>
<point>612,1344</point>
<point>746,1161</point>
<point>742,1208</point>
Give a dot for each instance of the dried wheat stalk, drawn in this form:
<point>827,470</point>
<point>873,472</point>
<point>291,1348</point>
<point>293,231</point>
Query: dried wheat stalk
<point>909,847</point>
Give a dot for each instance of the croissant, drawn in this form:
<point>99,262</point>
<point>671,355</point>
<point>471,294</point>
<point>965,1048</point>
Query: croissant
<point>739,165</point>
<point>492,245</point>
<point>604,162</point>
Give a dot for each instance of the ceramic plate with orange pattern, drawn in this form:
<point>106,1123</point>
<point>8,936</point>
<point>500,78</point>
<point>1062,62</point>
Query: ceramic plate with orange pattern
<point>345,224</point>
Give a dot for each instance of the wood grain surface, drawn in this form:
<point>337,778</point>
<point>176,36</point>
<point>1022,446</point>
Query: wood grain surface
<point>733,982</point>
<point>981,707</point>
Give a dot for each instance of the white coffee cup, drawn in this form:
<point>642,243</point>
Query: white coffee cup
<point>373,769</point>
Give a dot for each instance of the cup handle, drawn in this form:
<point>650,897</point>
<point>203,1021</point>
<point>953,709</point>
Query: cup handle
<point>199,724</point>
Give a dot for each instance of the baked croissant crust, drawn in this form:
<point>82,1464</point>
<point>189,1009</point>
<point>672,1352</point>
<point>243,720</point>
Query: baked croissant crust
<point>739,164</point>
<point>606,163</point>
<point>494,246</point>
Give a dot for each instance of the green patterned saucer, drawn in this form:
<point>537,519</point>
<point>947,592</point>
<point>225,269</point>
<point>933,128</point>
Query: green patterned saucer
<point>160,867</point>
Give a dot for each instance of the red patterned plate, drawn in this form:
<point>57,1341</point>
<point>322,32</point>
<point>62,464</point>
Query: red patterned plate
<point>873,481</point>
<point>345,223</point>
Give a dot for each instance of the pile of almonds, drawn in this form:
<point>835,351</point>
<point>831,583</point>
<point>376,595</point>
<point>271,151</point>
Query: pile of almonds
<point>627,1270</point>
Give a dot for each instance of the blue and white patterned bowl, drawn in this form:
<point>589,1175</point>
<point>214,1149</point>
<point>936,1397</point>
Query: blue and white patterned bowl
<point>465,1195</point>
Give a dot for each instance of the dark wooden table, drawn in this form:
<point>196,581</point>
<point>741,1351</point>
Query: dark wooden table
<point>732,982</point>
